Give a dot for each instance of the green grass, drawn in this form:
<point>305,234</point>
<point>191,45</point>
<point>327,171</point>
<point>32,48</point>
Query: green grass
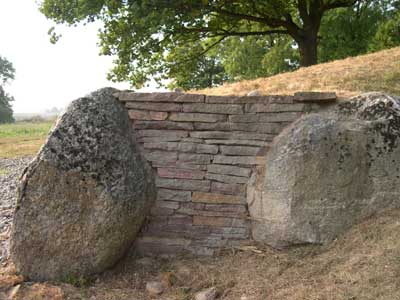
<point>79,281</point>
<point>25,129</point>
<point>22,138</point>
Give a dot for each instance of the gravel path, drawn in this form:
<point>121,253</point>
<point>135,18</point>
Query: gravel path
<point>10,170</point>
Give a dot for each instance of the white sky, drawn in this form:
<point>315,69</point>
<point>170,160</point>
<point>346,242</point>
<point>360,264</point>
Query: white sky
<point>49,75</point>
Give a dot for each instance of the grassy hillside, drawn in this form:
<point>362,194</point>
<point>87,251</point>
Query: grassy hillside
<point>379,71</point>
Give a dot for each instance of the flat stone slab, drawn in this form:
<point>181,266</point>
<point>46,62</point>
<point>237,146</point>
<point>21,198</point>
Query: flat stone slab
<point>318,97</point>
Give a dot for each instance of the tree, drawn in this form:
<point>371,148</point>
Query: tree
<point>242,56</point>
<point>141,32</point>
<point>205,72</point>
<point>258,56</point>
<point>236,58</point>
<point>6,74</point>
<point>348,31</point>
<point>387,34</point>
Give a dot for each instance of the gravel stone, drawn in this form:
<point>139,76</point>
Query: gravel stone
<point>10,170</point>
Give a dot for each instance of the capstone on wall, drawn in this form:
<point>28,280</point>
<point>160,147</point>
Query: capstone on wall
<point>208,153</point>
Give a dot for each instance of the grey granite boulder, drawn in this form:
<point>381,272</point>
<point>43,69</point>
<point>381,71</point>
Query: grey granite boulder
<point>83,199</point>
<point>328,171</point>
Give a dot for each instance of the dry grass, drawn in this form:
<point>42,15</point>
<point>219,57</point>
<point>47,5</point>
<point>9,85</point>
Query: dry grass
<point>379,71</point>
<point>22,138</point>
<point>17,147</point>
<point>362,264</point>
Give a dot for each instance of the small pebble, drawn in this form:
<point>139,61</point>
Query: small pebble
<point>254,93</point>
<point>208,294</point>
<point>154,288</point>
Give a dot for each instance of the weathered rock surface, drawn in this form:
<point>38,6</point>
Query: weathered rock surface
<point>83,199</point>
<point>328,171</point>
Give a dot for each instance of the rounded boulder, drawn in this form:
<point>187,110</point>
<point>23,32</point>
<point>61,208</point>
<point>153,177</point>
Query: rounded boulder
<point>83,199</point>
<point>329,171</point>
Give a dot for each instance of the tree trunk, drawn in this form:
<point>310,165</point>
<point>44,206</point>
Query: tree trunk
<point>210,74</point>
<point>311,13</point>
<point>308,47</point>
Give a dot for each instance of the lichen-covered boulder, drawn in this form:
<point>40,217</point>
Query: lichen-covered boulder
<point>328,171</point>
<point>83,199</point>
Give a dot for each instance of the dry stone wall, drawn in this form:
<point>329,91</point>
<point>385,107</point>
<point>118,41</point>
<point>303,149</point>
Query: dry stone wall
<point>205,151</point>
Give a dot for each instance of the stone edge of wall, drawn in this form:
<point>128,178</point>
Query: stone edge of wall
<point>173,97</point>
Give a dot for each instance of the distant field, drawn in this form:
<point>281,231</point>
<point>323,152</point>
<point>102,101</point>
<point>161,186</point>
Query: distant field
<point>22,138</point>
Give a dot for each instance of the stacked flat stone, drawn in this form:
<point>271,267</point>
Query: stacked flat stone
<point>204,151</point>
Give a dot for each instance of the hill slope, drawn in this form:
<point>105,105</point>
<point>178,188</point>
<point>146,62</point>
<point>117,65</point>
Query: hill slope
<point>378,71</point>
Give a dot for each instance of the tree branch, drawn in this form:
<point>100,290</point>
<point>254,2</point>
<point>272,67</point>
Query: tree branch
<point>249,33</point>
<point>272,22</point>
<point>195,57</point>
<point>226,33</point>
<point>338,3</point>
<point>302,7</point>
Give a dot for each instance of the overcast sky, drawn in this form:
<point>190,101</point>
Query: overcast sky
<point>49,75</point>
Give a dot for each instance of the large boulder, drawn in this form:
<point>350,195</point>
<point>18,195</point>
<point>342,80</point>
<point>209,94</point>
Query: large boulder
<point>328,171</point>
<point>83,199</point>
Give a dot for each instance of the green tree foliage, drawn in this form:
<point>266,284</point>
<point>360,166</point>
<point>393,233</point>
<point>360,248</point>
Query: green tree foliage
<point>282,57</point>
<point>242,56</point>
<point>192,68</point>
<point>236,58</point>
<point>141,33</point>
<point>349,31</point>
<point>7,72</point>
<point>387,34</point>
<point>252,57</point>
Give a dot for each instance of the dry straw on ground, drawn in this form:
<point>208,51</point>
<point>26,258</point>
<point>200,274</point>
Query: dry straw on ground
<point>362,264</point>
<point>379,71</point>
